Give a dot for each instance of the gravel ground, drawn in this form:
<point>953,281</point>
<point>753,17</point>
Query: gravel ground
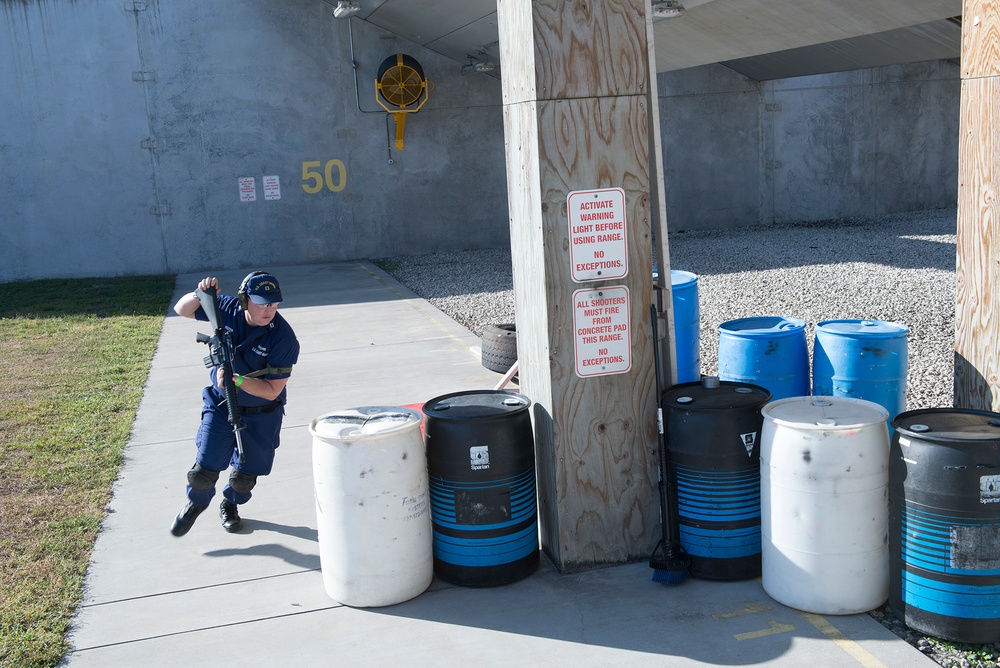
<point>897,268</point>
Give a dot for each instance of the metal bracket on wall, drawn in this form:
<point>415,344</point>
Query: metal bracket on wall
<point>151,144</point>
<point>140,76</point>
<point>134,6</point>
<point>160,210</point>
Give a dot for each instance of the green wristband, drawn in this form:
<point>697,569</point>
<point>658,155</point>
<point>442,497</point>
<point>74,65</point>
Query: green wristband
<point>239,380</point>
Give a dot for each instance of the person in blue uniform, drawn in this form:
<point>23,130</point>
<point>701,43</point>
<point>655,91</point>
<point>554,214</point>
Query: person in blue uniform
<point>264,351</point>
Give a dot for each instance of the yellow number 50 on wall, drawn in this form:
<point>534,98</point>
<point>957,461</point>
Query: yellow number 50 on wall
<point>310,173</point>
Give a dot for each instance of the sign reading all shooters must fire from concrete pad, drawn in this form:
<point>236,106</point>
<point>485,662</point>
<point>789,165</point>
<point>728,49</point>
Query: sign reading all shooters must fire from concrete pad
<point>597,234</point>
<point>603,345</point>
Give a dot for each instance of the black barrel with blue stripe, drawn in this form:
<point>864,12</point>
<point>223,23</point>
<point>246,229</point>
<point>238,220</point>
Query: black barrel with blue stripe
<point>481,473</point>
<point>944,523</point>
<point>712,430</point>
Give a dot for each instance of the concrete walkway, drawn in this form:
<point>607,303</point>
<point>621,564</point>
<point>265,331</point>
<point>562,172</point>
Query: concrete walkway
<point>257,597</point>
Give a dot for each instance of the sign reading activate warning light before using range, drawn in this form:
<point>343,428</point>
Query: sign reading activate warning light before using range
<point>597,246</point>
<point>602,342</point>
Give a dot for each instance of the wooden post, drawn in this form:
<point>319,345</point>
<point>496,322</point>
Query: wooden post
<point>658,198</point>
<point>977,318</point>
<point>576,117</point>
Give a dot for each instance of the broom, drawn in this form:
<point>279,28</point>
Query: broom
<point>669,561</point>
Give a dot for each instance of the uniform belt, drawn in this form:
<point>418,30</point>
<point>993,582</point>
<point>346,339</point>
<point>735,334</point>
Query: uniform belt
<point>266,408</point>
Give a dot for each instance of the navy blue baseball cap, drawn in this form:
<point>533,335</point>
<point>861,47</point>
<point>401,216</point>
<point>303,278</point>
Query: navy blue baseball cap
<point>263,289</point>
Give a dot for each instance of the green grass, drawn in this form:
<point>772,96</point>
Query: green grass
<point>75,355</point>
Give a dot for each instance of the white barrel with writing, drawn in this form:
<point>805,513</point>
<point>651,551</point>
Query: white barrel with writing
<point>372,506</point>
<point>824,465</point>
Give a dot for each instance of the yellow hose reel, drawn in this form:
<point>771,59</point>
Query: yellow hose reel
<point>401,89</point>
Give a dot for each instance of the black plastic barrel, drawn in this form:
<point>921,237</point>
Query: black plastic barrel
<point>712,431</point>
<point>481,473</point>
<point>944,523</point>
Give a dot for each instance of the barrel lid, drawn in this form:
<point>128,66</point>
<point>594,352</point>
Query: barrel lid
<point>680,278</point>
<point>858,328</point>
<point>766,325</point>
<point>715,395</point>
<point>364,422</point>
<point>476,404</point>
<point>826,413</point>
<point>949,424</point>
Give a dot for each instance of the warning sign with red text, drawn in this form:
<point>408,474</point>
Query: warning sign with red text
<point>601,331</point>
<point>248,188</point>
<point>597,243</point>
<point>272,188</point>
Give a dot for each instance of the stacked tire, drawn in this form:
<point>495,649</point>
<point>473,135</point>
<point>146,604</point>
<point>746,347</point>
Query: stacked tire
<point>499,347</point>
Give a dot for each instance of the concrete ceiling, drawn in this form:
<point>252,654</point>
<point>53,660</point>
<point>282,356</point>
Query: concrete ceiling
<point>763,39</point>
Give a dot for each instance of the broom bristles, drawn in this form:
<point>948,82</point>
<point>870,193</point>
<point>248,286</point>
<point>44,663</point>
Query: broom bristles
<point>668,566</point>
<point>669,577</point>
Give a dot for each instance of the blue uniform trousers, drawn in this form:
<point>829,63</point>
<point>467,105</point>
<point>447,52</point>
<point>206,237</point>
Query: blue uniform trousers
<point>217,447</point>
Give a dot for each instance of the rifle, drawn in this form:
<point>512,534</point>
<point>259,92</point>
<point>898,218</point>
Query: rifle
<point>221,354</point>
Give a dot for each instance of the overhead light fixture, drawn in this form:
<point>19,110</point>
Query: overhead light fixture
<point>346,9</point>
<point>666,9</point>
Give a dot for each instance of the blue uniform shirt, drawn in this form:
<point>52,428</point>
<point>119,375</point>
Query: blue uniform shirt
<point>255,348</point>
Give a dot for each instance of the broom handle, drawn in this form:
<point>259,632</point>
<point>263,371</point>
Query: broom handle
<point>665,524</point>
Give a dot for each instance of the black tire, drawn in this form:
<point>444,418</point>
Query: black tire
<point>499,347</point>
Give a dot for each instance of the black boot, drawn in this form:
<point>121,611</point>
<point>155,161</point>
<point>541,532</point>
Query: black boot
<point>230,515</point>
<point>185,519</point>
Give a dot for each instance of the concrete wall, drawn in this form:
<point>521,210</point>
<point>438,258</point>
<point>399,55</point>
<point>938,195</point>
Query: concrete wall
<point>739,152</point>
<point>125,126</point>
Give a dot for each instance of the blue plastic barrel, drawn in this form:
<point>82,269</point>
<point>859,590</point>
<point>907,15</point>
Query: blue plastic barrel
<point>863,359</point>
<point>769,351</point>
<point>687,325</point>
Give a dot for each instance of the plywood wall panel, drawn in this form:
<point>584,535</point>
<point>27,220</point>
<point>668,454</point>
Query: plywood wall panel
<point>576,117</point>
<point>977,319</point>
<point>980,39</point>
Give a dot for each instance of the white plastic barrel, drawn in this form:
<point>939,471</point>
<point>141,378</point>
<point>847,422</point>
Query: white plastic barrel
<point>824,468</point>
<point>372,506</point>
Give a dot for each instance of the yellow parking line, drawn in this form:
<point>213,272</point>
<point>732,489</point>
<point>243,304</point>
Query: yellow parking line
<point>775,627</point>
<point>833,633</point>
<point>751,608</point>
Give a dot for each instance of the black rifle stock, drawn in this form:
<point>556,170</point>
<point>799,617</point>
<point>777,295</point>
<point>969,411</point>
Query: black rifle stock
<point>221,354</point>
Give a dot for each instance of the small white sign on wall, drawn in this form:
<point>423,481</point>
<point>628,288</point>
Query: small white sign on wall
<point>602,341</point>
<point>597,239</point>
<point>248,189</point>
<point>272,188</point>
